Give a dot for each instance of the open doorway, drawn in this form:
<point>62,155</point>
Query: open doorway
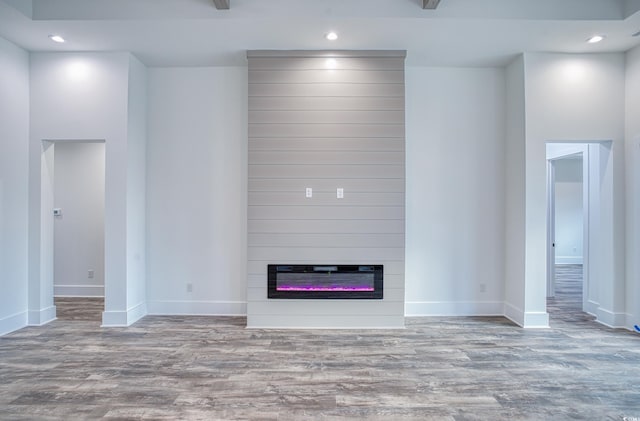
<point>77,183</point>
<point>567,228</point>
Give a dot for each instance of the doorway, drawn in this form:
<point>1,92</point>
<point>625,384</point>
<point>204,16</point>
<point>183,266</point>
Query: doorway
<point>76,179</point>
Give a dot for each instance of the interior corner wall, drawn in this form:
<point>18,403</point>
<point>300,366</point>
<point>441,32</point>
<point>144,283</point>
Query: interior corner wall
<point>455,204</point>
<point>632,167</point>
<point>325,125</point>
<point>514,239</point>
<point>574,98</point>
<point>136,190</point>
<point>197,191</point>
<point>79,231</point>
<point>14,164</point>
<point>79,96</point>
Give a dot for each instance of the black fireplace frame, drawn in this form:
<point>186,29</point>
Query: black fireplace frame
<point>275,269</point>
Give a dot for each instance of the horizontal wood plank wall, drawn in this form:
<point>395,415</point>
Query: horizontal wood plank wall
<point>326,120</point>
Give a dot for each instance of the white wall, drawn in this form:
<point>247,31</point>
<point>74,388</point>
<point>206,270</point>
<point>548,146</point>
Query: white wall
<point>514,239</point>
<point>82,96</point>
<point>632,151</point>
<point>79,231</point>
<point>575,98</point>
<point>455,165</point>
<point>14,148</point>
<point>136,190</point>
<point>568,206</point>
<point>197,191</point>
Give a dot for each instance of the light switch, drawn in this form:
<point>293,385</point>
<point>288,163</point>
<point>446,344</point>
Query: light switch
<point>340,193</point>
<point>57,212</point>
<point>309,192</point>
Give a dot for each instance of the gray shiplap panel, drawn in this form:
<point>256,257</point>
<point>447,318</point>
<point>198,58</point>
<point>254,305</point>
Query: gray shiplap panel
<point>353,185</point>
<point>326,76</point>
<point>326,253</point>
<point>310,127</point>
<point>327,144</point>
<point>320,307</point>
<point>325,199</point>
<point>326,90</point>
<point>285,212</point>
<point>327,321</point>
<point>341,103</point>
<point>325,157</point>
<point>328,171</point>
<point>322,63</point>
<point>326,117</point>
<point>332,239</point>
<point>358,226</point>
<point>392,269</point>
<point>325,130</point>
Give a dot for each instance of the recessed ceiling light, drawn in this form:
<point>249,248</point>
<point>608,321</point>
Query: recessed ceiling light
<point>595,38</point>
<point>331,36</point>
<point>56,38</point>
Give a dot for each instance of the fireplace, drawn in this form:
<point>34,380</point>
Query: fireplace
<point>325,281</point>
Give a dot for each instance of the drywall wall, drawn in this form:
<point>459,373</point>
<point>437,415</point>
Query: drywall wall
<point>81,96</point>
<point>576,98</point>
<point>568,207</point>
<point>514,174</point>
<point>455,191</point>
<point>14,152</point>
<point>326,120</point>
<point>79,230</point>
<point>632,179</point>
<point>197,191</point>
<point>136,189</point>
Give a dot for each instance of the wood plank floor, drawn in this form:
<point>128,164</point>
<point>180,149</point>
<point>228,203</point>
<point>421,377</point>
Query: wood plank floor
<point>212,368</point>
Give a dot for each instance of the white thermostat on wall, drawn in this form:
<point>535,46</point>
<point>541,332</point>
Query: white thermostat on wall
<point>57,212</point>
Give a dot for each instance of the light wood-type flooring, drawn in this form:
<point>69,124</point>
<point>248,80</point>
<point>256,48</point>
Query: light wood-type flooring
<point>213,368</point>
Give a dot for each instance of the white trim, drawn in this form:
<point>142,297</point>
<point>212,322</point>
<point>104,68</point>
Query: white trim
<point>536,320</point>
<point>453,308</point>
<point>12,323</point>
<point>197,308</point>
<point>592,307</point>
<point>124,318</point>
<point>569,260</point>
<point>42,316</point>
<point>514,314</point>
<point>78,291</point>
<point>611,319</point>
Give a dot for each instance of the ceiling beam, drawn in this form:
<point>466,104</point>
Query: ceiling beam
<point>430,4</point>
<point>222,4</point>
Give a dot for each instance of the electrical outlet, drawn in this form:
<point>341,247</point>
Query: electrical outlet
<point>91,273</point>
<point>189,287</point>
<point>308,192</point>
<point>340,193</point>
<point>483,288</point>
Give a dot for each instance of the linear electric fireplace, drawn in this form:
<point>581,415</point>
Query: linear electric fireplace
<point>325,281</point>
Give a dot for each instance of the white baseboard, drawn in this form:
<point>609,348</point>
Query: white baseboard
<point>611,319</point>
<point>197,308</point>
<point>569,260</point>
<point>78,291</point>
<point>514,314</point>
<point>124,318</point>
<point>12,323</point>
<point>527,320</point>
<point>453,308</point>
<point>536,320</point>
<point>42,316</point>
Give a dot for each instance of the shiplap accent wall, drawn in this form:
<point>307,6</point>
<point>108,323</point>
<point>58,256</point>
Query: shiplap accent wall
<point>326,120</point>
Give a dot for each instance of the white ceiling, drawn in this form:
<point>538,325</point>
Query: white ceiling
<point>195,33</point>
